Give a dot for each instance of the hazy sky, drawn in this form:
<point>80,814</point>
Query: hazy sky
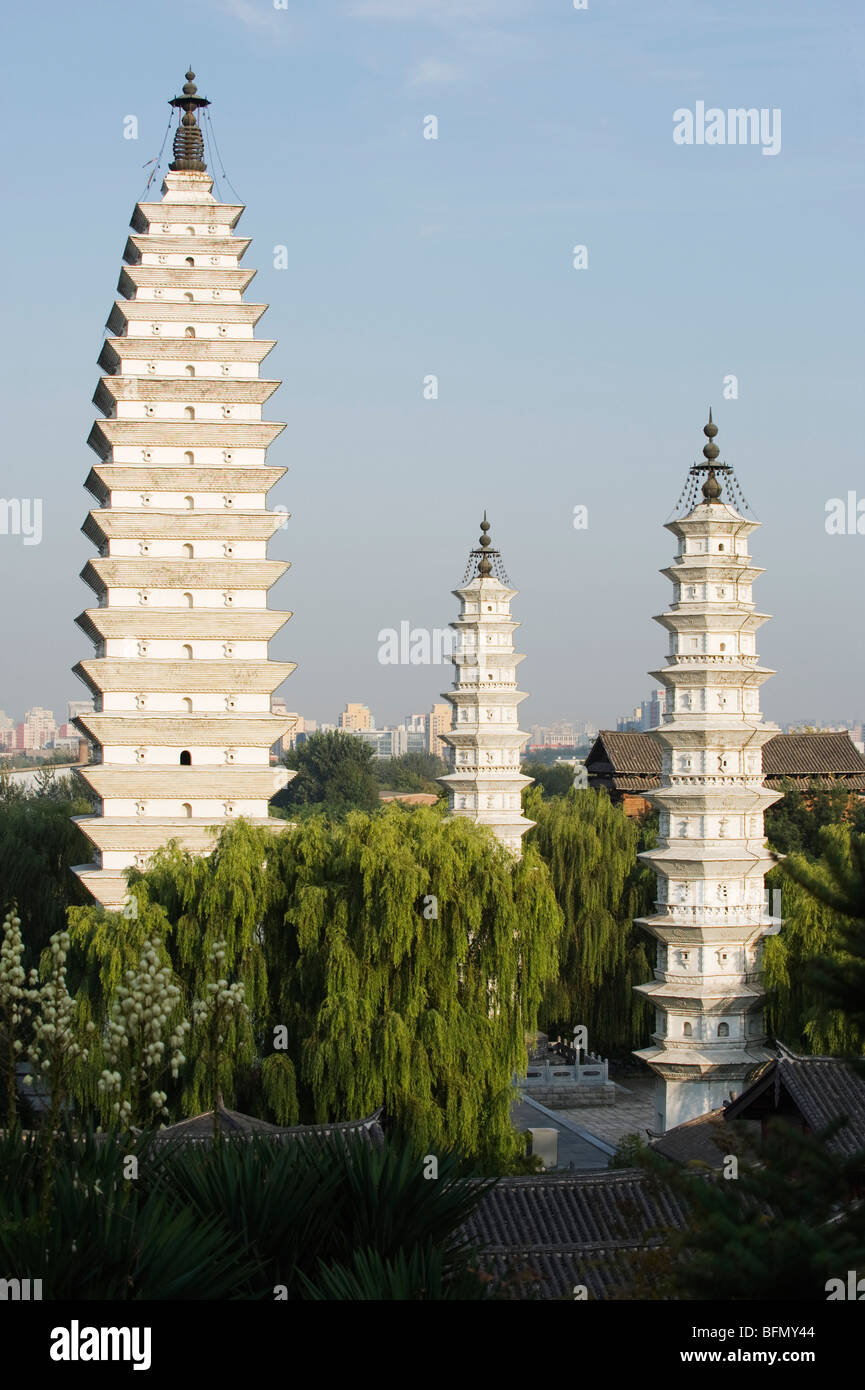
<point>453,257</point>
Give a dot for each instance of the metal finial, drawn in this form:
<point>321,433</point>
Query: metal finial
<point>188,139</point>
<point>485,560</point>
<point>485,568</point>
<point>711,487</point>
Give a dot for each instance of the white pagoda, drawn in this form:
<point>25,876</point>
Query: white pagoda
<point>484,737</point>
<point>711,857</point>
<point>180,675</point>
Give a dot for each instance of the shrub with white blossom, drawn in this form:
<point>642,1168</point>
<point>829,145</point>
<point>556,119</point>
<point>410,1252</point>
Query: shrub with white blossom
<point>144,1040</point>
<point>15,1005</point>
<point>56,1052</point>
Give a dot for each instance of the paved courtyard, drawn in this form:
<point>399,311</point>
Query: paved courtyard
<point>588,1136</point>
<point>634,1111</point>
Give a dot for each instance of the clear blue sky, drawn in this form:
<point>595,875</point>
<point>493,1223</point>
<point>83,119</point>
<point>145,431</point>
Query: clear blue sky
<point>410,256</point>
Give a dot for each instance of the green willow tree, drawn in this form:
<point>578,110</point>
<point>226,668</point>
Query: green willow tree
<point>591,847</point>
<point>815,968</point>
<point>410,955</point>
<point>394,959</point>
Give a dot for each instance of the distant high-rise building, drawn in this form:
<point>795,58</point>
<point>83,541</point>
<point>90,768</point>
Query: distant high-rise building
<point>437,723</point>
<point>39,729</point>
<point>651,711</point>
<point>356,717</point>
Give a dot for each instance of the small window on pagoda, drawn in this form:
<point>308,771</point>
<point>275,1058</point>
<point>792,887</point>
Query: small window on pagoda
<point>187,705</point>
<point>687,1030</point>
<point>723,646</point>
<point>190,231</point>
<point>186,758</point>
<point>188,552</point>
<point>189,412</point>
<point>190,260</point>
<point>190,371</point>
<point>188,297</point>
<point>189,457</point>
<point>189,332</point>
<point>723,1030</point>
<point>187,652</point>
<point>188,598</point>
<point>721,546</point>
<point>187,810</point>
<point>190,503</point>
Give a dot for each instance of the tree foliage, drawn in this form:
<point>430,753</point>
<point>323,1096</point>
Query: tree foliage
<point>553,780</point>
<point>789,1223</point>
<point>38,845</point>
<point>590,847</point>
<point>411,772</point>
<point>794,824</point>
<point>333,772</point>
<point>815,967</point>
<point>401,958</point>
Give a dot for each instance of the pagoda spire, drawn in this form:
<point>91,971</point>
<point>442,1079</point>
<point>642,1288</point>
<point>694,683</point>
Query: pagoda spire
<point>188,139</point>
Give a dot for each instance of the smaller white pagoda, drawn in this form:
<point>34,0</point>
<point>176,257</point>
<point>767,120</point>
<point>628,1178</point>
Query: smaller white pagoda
<point>484,738</point>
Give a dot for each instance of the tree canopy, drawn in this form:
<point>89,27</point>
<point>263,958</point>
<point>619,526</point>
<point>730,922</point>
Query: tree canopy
<point>334,772</point>
<point>591,849</point>
<point>398,959</point>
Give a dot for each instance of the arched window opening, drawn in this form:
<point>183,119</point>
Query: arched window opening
<point>190,370</point>
<point>189,457</point>
<point>189,412</point>
<point>188,598</point>
<point>189,332</point>
<point>190,260</point>
<point>723,1030</point>
<point>188,552</point>
<point>687,1031</point>
<point>187,704</point>
<point>186,758</point>
<point>187,810</point>
<point>187,652</point>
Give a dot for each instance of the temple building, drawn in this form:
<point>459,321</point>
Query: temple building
<point>180,675</point>
<point>485,739</point>
<point>711,857</point>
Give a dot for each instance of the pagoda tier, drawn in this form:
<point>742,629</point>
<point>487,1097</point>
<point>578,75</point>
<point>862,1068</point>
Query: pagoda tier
<point>486,783</point>
<point>711,856</point>
<point>181,676</point>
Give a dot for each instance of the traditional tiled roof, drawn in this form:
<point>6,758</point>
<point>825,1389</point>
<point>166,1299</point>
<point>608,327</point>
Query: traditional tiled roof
<point>542,1235</point>
<point>632,762</point>
<point>804,755</point>
<point>234,1125</point>
<point>700,1140</point>
<point>822,1089</point>
<point>625,753</point>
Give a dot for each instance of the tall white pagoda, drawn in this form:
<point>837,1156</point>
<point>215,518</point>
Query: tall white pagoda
<point>711,857</point>
<point>180,674</point>
<point>484,737</point>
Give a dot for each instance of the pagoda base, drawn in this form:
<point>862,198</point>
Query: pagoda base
<point>685,1091</point>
